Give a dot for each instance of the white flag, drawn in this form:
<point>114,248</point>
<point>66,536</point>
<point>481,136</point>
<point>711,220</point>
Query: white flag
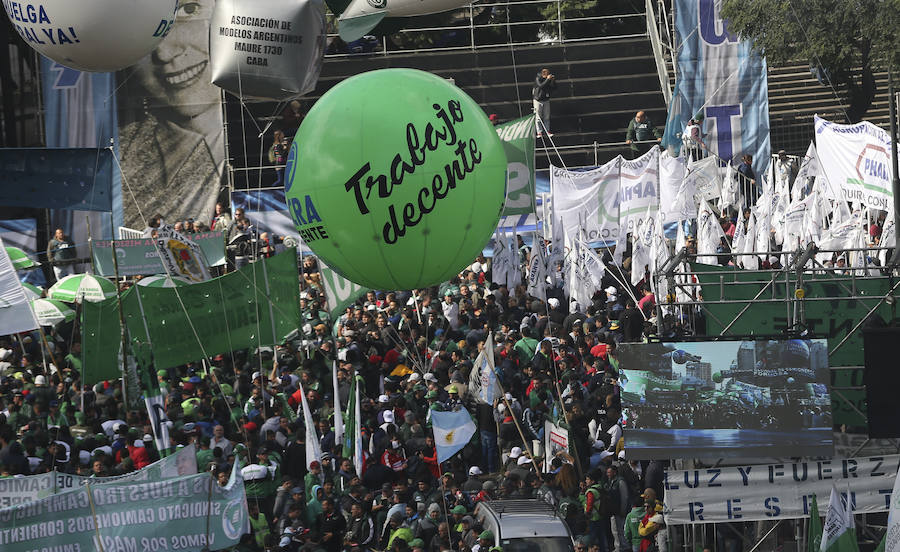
<point>809,169</point>
<point>839,533</point>
<point>357,439</point>
<point>641,242</point>
<point>499,264</point>
<point>557,250</point>
<point>514,270</point>
<point>709,234</point>
<point>338,420</point>
<point>15,309</point>
<point>704,176</point>
<point>537,270</point>
<point>313,449</point>
<point>892,540</point>
<point>731,190</point>
<point>737,242</point>
<point>156,411</point>
<point>750,262</point>
<point>483,385</point>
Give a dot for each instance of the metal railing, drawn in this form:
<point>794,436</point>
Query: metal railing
<point>662,70</point>
<point>500,29</point>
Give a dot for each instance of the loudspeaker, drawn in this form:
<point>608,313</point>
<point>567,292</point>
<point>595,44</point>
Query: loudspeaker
<point>881,377</point>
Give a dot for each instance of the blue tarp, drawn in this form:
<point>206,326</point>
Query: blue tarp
<point>57,178</point>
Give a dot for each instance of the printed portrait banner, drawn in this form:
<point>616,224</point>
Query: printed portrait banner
<point>587,200</point>
<point>721,78</point>
<point>518,143</point>
<point>170,126</point>
<point>57,178</point>
<point>19,490</point>
<point>855,161</point>
<point>195,511</point>
<point>141,258</point>
<point>776,491</point>
<point>639,190</point>
<point>181,256</point>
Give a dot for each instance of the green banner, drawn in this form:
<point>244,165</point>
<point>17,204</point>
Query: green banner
<point>339,291</point>
<point>518,142</point>
<point>18,490</point>
<point>832,319</point>
<point>257,305</point>
<point>189,512</point>
<point>100,339</point>
<point>639,381</point>
<point>140,258</point>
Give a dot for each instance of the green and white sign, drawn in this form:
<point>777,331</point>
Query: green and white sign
<point>195,512</point>
<point>518,143</point>
<point>339,291</point>
<point>19,490</point>
<point>140,257</point>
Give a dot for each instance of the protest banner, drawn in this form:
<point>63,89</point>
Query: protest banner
<point>587,201</point>
<point>556,441</point>
<point>124,515</point>
<point>776,491</point>
<point>518,143</point>
<point>19,490</point>
<point>856,163</point>
<point>339,291</point>
<point>638,191</point>
<point>141,258</point>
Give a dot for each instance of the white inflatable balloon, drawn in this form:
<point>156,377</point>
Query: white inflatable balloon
<point>92,35</point>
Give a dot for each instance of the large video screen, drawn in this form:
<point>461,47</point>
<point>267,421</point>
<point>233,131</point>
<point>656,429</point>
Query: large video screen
<point>726,399</point>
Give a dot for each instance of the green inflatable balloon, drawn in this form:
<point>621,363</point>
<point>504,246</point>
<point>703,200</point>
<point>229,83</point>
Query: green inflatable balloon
<point>396,179</point>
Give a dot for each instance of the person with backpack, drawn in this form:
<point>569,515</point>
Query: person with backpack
<point>596,509</point>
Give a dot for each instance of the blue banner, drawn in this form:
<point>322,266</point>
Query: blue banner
<point>63,178</point>
<point>722,78</point>
<point>80,112</point>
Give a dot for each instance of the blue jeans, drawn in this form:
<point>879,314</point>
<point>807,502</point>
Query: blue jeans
<point>489,450</point>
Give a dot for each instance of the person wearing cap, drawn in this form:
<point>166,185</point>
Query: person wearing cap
<point>485,541</point>
<point>453,403</point>
<point>313,478</point>
<point>433,404</point>
<point>474,483</point>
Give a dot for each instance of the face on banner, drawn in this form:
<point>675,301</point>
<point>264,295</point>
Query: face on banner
<point>170,125</point>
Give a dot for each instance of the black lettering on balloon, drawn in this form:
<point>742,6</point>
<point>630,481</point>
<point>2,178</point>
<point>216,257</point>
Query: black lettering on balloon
<point>466,158</point>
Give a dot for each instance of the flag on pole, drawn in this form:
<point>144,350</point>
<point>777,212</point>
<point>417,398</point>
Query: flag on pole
<point>814,535</point>
<point>338,420</point>
<point>891,542</point>
<point>452,431</point>
<point>839,534</point>
<point>15,308</point>
<point>537,270</point>
<point>357,437</point>
<point>483,386</point>
<point>313,449</point>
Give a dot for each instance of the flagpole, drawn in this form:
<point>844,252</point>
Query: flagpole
<point>121,326</point>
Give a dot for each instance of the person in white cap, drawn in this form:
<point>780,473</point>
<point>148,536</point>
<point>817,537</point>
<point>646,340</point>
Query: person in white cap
<point>514,454</point>
<point>473,483</point>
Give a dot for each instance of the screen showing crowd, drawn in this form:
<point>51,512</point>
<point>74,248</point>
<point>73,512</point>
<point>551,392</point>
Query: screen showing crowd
<point>726,398</point>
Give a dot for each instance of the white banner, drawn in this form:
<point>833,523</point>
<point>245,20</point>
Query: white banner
<point>776,491</point>
<point>181,256</point>
<point>856,163</point>
<point>676,195</point>
<point>587,201</point>
<point>639,190</point>
<point>556,440</point>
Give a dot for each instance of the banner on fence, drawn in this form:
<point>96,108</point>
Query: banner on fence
<point>588,201</point>
<point>856,163</point>
<point>776,491</point>
<point>141,258</point>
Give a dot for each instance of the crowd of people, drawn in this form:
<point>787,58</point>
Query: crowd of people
<point>412,353</point>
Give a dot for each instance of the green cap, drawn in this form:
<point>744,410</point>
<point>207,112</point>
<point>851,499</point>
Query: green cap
<point>417,543</point>
<point>459,510</point>
<point>431,394</point>
<point>486,535</point>
<point>162,373</point>
<point>453,389</point>
<point>496,549</point>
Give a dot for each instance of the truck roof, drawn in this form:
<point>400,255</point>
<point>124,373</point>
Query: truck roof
<point>524,518</point>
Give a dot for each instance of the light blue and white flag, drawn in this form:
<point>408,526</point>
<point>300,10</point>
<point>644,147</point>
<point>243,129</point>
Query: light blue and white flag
<point>452,431</point>
<point>722,78</point>
<point>483,386</point>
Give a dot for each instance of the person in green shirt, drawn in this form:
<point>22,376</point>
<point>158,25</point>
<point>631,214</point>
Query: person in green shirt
<point>633,523</point>
<point>55,417</point>
<point>526,346</point>
<point>641,129</point>
<point>73,359</point>
<point>204,454</point>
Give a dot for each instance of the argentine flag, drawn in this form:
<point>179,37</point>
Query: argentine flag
<point>452,431</point>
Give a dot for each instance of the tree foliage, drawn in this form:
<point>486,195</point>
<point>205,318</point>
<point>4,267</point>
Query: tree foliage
<point>845,41</point>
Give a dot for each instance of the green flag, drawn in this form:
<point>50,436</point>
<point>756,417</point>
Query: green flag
<point>839,533</point>
<point>882,544</point>
<point>814,535</point>
<point>518,143</point>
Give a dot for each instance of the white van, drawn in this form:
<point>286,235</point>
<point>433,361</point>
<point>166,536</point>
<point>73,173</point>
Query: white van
<point>525,526</point>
